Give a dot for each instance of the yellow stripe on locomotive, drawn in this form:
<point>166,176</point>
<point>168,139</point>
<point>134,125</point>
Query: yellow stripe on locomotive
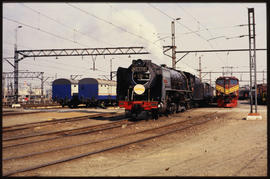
<point>227,91</point>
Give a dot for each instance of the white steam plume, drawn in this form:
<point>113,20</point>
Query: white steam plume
<point>136,23</point>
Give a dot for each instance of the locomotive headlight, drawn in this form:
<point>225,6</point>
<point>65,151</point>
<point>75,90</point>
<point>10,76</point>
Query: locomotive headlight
<point>139,89</point>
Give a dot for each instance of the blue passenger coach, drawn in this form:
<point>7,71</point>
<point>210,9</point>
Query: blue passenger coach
<point>97,92</point>
<point>65,92</point>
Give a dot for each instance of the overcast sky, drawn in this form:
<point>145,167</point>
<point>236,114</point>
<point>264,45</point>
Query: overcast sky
<point>93,25</point>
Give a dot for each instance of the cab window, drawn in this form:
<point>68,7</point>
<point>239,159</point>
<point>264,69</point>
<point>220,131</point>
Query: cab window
<point>233,82</point>
<point>220,82</point>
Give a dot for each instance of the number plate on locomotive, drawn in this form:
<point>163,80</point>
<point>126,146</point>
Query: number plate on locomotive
<point>139,69</point>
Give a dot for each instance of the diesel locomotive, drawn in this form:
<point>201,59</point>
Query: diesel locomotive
<point>227,91</point>
<point>145,87</point>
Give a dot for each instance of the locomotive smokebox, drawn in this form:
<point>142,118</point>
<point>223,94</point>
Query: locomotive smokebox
<point>142,73</point>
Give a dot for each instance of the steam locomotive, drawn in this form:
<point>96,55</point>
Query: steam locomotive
<point>145,87</point>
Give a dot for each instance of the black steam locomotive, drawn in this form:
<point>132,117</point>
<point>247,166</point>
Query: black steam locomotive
<point>145,87</point>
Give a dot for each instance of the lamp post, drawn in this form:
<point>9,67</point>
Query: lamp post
<point>111,68</point>
<point>16,32</point>
<point>173,43</point>
<point>16,67</point>
<point>200,68</point>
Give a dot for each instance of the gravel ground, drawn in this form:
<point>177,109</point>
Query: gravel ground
<point>227,146</point>
<point>51,114</point>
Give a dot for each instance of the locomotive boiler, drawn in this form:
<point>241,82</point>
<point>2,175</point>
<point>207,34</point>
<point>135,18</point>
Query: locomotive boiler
<point>147,87</point>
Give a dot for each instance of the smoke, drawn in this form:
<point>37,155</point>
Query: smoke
<point>136,23</point>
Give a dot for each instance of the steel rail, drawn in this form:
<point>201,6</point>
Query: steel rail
<point>45,133</point>
<point>40,122</point>
<point>43,123</point>
<point>106,149</point>
<point>72,134</point>
<point>20,113</point>
<point>98,141</point>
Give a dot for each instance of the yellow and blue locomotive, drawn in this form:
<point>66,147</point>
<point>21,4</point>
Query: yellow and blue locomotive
<point>227,91</point>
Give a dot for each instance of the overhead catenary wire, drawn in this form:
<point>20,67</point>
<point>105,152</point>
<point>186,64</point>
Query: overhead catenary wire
<point>44,31</point>
<point>210,28</point>
<point>200,25</point>
<point>170,18</point>
<point>12,44</point>
<point>213,28</point>
<point>134,20</point>
<point>206,28</point>
<point>195,19</point>
<point>46,61</point>
<point>64,25</point>
<point>27,25</point>
<point>65,69</point>
<point>162,12</point>
<point>184,26</point>
<point>64,66</point>
<point>112,24</point>
<point>41,30</point>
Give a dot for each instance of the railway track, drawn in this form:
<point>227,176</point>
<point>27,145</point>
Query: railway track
<point>68,153</point>
<point>32,138</point>
<point>36,105</point>
<point>52,122</point>
<point>19,113</point>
